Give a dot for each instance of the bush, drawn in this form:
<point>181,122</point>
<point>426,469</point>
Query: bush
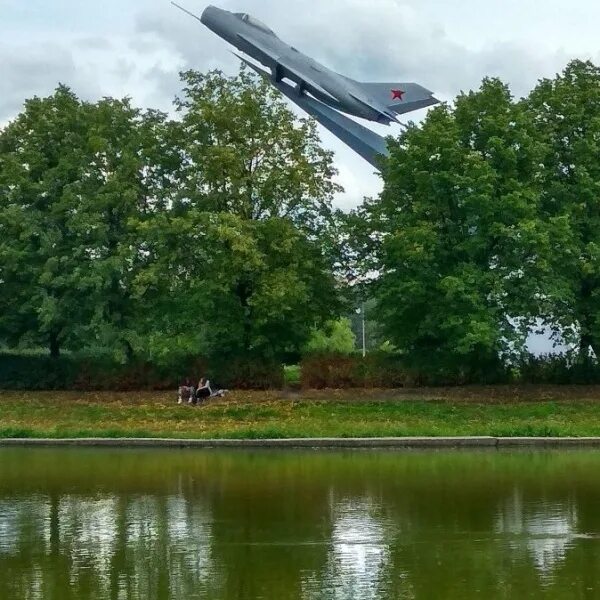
<point>335,338</point>
<point>247,374</point>
<point>342,371</point>
<point>386,369</point>
<point>558,369</point>
<point>72,372</point>
<point>36,371</point>
<point>292,375</point>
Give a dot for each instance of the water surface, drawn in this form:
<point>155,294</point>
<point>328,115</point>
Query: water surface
<point>168,524</point>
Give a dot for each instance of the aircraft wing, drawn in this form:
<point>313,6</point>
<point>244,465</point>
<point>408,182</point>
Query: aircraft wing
<point>297,75</point>
<point>288,70</point>
<point>400,97</point>
<point>363,141</point>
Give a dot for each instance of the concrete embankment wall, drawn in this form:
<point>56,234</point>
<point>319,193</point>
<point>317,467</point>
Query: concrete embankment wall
<point>407,442</point>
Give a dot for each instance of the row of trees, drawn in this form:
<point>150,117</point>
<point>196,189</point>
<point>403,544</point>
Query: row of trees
<point>489,224</point>
<point>213,232</point>
<point>122,228</point>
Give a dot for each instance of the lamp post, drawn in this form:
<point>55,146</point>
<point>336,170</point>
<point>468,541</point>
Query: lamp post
<point>361,311</point>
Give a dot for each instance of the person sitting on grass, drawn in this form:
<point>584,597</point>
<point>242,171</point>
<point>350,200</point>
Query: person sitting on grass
<point>186,390</point>
<point>205,390</point>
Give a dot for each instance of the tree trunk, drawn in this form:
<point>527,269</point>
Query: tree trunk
<point>584,346</point>
<point>129,352</point>
<point>54,345</point>
<point>244,293</point>
<point>586,337</point>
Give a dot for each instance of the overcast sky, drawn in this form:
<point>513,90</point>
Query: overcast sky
<point>137,48</point>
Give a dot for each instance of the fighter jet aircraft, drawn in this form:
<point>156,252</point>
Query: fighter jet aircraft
<point>379,102</point>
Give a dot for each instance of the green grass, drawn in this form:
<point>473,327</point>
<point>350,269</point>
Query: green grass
<point>256,415</point>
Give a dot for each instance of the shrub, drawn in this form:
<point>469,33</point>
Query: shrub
<point>292,374</point>
<point>72,372</point>
<point>247,374</point>
<point>343,371</point>
<point>558,369</point>
<point>335,338</point>
<point>386,369</point>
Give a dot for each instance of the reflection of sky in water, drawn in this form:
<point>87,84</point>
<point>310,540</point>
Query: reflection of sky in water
<point>545,530</point>
<point>358,555</point>
<point>87,528</point>
<point>91,532</point>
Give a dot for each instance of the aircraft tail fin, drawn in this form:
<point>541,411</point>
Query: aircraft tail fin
<point>400,97</point>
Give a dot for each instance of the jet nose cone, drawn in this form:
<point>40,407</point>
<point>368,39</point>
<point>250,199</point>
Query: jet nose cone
<point>210,13</point>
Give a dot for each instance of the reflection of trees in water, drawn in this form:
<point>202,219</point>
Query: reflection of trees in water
<point>110,547</point>
<point>543,530</point>
<point>87,533</point>
<point>23,520</point>
<point>23,523</point>
<point>297,525</point>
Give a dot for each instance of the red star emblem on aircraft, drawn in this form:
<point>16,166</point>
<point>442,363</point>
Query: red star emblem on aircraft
<point>397,94</point>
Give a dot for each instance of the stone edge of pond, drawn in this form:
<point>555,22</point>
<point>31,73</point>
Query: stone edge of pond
<point>404,442</point>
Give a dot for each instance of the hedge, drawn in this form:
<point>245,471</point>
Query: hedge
<point>85,373</point>
<point>376,370</point>
<point>558,369</point>
<point>384,370</point>
<point>379,370</point>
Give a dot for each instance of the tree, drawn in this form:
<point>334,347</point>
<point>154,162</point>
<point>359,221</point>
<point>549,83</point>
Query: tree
<point>460,247</point>
<point>336,336</point>
<point>74,177</point>
<point>237,266</point>
<point>131,157</point>
<point>247,154</point>
<point>566,113</point>
<point>125,230</point>
<point>232,287</point>
<point>40,158</point>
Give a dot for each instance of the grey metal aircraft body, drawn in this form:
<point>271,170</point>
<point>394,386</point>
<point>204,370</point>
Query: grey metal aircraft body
<point>316,88</point>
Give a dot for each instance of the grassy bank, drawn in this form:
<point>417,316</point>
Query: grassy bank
<point>461,411</point>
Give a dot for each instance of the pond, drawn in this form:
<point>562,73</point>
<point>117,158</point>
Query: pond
<point>183,524</point>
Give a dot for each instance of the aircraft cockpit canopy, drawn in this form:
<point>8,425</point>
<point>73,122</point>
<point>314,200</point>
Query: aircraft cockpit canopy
<point>255,22</point>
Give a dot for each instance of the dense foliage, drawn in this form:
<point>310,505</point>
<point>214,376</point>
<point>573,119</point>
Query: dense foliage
<point>212,235</point>
<point>336,336</point>
<point>566,114</point>
<point>203,235</point>
<point>486,229</point>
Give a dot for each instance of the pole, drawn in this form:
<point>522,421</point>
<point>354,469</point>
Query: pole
<point>364,346</point>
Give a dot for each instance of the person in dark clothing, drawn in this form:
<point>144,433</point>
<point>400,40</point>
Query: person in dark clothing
<point>203,391</point>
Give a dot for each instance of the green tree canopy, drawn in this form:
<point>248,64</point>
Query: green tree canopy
<point>72,176</point>
<point>127,230</point>
<point>458,239</point>
<point>566,114</point>
<point>335,336</point>
<point>239,263</point>
<point>247,154</point>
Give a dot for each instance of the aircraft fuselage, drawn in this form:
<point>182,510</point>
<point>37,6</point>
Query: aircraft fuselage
<point>285,62</point>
